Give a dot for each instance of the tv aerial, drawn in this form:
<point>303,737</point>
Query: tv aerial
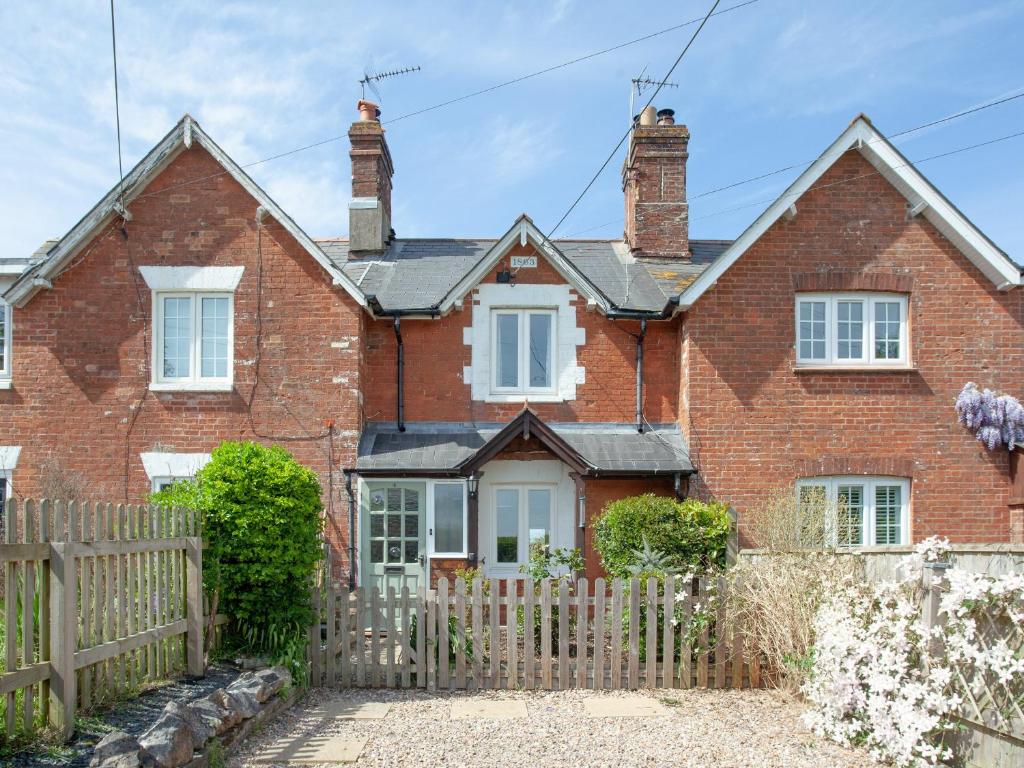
<point>640,83</point>
<point>371,77</point>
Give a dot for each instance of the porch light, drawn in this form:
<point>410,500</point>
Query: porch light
<point>472,484</point>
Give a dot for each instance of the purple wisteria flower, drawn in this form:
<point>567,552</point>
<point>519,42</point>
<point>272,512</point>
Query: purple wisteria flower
<point>994,419</point>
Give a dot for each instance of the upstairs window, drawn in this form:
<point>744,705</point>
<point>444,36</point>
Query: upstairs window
<point>852,330</point>
<point>523,351</point>
<point>5,344</point>
<point>868,511</point>
<point>193,340</point>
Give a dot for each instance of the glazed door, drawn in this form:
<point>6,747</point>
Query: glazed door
<point>394,541</point>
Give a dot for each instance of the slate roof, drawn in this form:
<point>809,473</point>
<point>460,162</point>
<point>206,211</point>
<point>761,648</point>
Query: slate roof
<point>442,446</point>
<point>417,273</point>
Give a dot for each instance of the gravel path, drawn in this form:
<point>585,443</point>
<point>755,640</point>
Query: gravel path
<point>703,728</point>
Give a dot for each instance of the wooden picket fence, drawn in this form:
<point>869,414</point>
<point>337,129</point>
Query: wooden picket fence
<point>99,599</point>
<point>483,637</point>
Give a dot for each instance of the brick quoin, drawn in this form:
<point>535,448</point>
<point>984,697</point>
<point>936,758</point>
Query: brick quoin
<point>754,425</point>
<point>83,350</point>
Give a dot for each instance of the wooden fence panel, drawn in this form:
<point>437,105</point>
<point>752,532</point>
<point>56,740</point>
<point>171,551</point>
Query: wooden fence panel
<point>90,592</point>
<point>615,635</point>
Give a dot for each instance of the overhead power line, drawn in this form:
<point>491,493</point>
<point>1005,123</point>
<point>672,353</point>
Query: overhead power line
<point>464,97</point>
<point>793,166</point>
<point>661,84</point>
<point>904,132</point>
<point>908,164</point>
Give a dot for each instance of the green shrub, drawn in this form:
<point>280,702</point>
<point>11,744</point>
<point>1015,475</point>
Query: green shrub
<point>261,522</point>
<point>691,534</point>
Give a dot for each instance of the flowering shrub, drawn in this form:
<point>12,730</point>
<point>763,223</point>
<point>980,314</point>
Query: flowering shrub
<point>994,419</point>
<point>874,680</point>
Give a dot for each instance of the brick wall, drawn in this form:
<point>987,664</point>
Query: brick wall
<point>435,355</point>
<point>754,424</point>
<point>82,350</point>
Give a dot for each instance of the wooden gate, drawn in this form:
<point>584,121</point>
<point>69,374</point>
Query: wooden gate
<point>550,635</point>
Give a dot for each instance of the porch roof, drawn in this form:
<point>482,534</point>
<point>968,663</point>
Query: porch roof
<point>444,448</point>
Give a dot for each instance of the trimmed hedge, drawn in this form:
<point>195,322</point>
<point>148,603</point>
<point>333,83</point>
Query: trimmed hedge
<point>692,534</point>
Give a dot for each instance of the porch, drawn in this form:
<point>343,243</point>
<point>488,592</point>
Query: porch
<point>438,498</point>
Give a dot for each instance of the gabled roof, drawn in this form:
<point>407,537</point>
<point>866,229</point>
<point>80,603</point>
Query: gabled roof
<point>522,232</point>
<point>923,199</point>
<point>449,448</point>
<point>178,140</point>
<point>415,273</point>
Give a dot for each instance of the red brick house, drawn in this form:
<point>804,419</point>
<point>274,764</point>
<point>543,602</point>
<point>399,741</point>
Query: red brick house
<point>460,398</point>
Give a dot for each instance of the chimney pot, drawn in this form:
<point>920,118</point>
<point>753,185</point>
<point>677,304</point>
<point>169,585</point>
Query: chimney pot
<point>368,111</point>
<point>666,117</point>
<point>648,116</point>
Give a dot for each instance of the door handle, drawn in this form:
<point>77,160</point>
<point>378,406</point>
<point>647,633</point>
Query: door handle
<point>422,559</point>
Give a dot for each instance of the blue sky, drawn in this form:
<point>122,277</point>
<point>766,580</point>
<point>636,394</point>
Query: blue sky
<point>764,86</point>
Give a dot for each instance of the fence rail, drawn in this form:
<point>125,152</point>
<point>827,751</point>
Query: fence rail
<point>549,634</point>
<point>98,599</point>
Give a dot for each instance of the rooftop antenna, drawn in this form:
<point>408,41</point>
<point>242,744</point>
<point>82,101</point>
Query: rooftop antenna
<point>371,78</point>
<point>640,83</point>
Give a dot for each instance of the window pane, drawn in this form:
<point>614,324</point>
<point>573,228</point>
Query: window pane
<point>412,526</point>
<point>850,332</point>
<point>538,502</point>
<point>395,551</point>
<point>851,516</point>
<point>506,522</point>
<point>214,346</point>
<point>887,330</point>
<point>449,520</point>
<point>888,508</point>
<point>394,525</point>
<point>507,353</point>
<point>377,526</point>
<point>376,551</point>
<point>377,501</point>
<point>812,330</point>
<point>177,337</point>
<point>540,350</point>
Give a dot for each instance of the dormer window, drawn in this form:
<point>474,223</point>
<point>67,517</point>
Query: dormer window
<point>523,351</point>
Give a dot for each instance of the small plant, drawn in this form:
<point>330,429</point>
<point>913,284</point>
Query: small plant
<point>547,563</point>
<point>648,560</point>
<point>455,647</point>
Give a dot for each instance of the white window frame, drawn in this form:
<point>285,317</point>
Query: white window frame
<point>832,483</point>
<point>523,544</point>
<point>867,359</point>
<point>195,381</point>
<point>7,315</point>
<point>157,482</point>
<point>432,551</point>
<point>523,388</point>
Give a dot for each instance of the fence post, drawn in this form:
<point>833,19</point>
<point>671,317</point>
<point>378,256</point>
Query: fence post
<point>933,580</point>
<point>732,544</point>
<point>63,624</point>
<point>194,605</point>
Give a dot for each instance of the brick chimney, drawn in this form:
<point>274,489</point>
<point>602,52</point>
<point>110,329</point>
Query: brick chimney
<point>654,185</point>
<point>369,213</point>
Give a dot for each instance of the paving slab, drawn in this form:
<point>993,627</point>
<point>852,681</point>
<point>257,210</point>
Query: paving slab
<point>339,709</point>
<point>305,750</point>
<point>488,709</point>
<point>623,706</point>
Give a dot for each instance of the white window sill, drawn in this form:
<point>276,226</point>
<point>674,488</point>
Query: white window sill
<point>449,556</point>
<point>6,383</point>
<point>191,386</point>
<point>520,397</point>
<point>903,368</point>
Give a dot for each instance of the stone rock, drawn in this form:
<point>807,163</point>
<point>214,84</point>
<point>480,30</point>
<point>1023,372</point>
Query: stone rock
<point>116,750</point>
<point>198,728</point>
<point>250,690</point>
<point>230,707</point>
<point>274,679</point>
<point>168,743</point>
